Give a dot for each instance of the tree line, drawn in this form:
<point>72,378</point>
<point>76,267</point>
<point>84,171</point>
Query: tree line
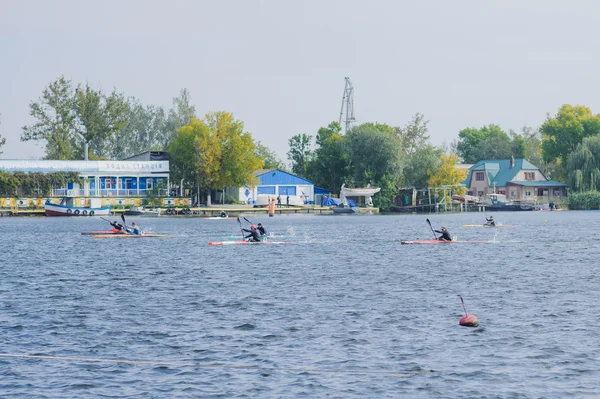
<point>212,152</point>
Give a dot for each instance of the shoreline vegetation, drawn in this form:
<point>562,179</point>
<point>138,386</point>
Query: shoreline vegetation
<point>77,121</point>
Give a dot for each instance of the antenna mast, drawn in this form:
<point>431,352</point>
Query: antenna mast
<point>348,101</point>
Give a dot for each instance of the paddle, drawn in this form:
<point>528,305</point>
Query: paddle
<point>125,224</point>
<point>428,222</point>
<point>247,220</point>
<point>463,304</point>
<point>240,223</point>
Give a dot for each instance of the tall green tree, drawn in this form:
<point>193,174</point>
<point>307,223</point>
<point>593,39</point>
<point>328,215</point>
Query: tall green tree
<point>583,165</point>
<point>488,142</point>
<point>268,157</point>
<point>426,158</point>
<point>375,156</point>
<point>329,166</point>
<point>300,153</point>
<point>54,119</point>
<point>99,118</point>
<point>562,133</point>
<point>145,130</point>
<point>415,134</point>
<point>216,153</point>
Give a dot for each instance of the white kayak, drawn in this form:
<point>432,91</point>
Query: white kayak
<point>144,235</point>
<point>488,225</point>
<point>242,242</point>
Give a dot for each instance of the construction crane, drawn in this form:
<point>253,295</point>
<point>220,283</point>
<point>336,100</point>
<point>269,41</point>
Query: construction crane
<point>348,101</point>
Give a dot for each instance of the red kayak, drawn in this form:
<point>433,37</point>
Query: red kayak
<point>102,232</point>
<point>440,242</point>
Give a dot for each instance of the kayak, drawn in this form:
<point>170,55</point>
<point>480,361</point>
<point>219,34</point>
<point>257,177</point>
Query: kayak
<point>100,232</point>
<point>487,225</point>
<point>237,238</point>
<point>146,235</point>
<point>217,218</point>
<point>241,242</point>
<point>440,242</point>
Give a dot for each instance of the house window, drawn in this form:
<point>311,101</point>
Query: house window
<point>479,193</point>
<point>479,176</point>
<point>148,184</point>
<point>502,192</point>
<point>528,193</point>
<point>513,194</point>
<point>469,192</point>
<point>529,175</point>
<point>109,183</point>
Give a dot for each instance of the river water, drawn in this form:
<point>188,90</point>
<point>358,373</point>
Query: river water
<point>346,312</point>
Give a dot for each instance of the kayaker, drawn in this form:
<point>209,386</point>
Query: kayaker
<point>490,221</point>
<point>261,229</point>
<point>223,214</point>
<point>134,229</point>
<point>445,235</point>
<point>117,227</point>
<point>254,235</point>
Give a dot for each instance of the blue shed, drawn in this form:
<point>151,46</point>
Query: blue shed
<point>279,183</point>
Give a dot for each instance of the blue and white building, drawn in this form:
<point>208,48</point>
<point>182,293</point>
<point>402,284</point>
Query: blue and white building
<point>128,178</point>
<point>276,182</point>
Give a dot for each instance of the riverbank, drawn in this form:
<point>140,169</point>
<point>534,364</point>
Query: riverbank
<point>231,210</point>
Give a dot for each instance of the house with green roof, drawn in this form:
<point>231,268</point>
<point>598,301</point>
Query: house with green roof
<point>516,178</point>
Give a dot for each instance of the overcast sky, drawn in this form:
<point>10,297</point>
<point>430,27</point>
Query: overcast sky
<point>279,66</point>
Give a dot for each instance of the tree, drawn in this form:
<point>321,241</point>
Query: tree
<point>2,140</point>
<point>214,153</point>
<point>448,175</point>
<point>98,120</point>
<point>55,119</point>
<point>329,166</point>
<point>145,130</point>
<point>566,130</point>
<point>269,158</point>
<point>425,158</point>
<point>415,135</point>
<point>373,152</point>
<point>8,184</point>
<point>375,157</point>
<point>300,153</point>
<point>489,142</point>
<point>583,165</point>
<point>184,161</point>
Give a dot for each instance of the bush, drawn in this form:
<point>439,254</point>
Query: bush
<point>584,201</point>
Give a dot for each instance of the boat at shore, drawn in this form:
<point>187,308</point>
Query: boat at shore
<point>348,205</point>
<point>66,208</point>
<point>141,211</point>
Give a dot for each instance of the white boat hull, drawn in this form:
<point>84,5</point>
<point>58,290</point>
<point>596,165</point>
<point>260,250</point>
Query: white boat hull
<point>62,210</point>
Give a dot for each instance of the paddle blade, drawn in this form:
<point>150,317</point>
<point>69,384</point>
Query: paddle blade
<point>123,218</point>
<point>247,220</point>
<point>428,222</point>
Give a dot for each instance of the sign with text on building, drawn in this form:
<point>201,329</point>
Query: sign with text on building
<point>23,165</point>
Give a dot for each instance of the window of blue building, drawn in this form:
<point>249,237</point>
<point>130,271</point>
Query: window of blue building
<point>287,190</point>
<point>266,190</point>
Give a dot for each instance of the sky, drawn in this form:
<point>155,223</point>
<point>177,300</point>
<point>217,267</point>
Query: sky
<point>279,66</point>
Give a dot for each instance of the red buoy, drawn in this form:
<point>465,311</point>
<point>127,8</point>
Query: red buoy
<point>468,320</point>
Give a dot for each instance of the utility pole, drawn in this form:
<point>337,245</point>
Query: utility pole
<point>348,101</point>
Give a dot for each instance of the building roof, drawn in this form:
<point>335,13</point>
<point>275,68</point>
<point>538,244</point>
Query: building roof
<point>538,183</point>
<point>499,170</point>
<point>279,177</point>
